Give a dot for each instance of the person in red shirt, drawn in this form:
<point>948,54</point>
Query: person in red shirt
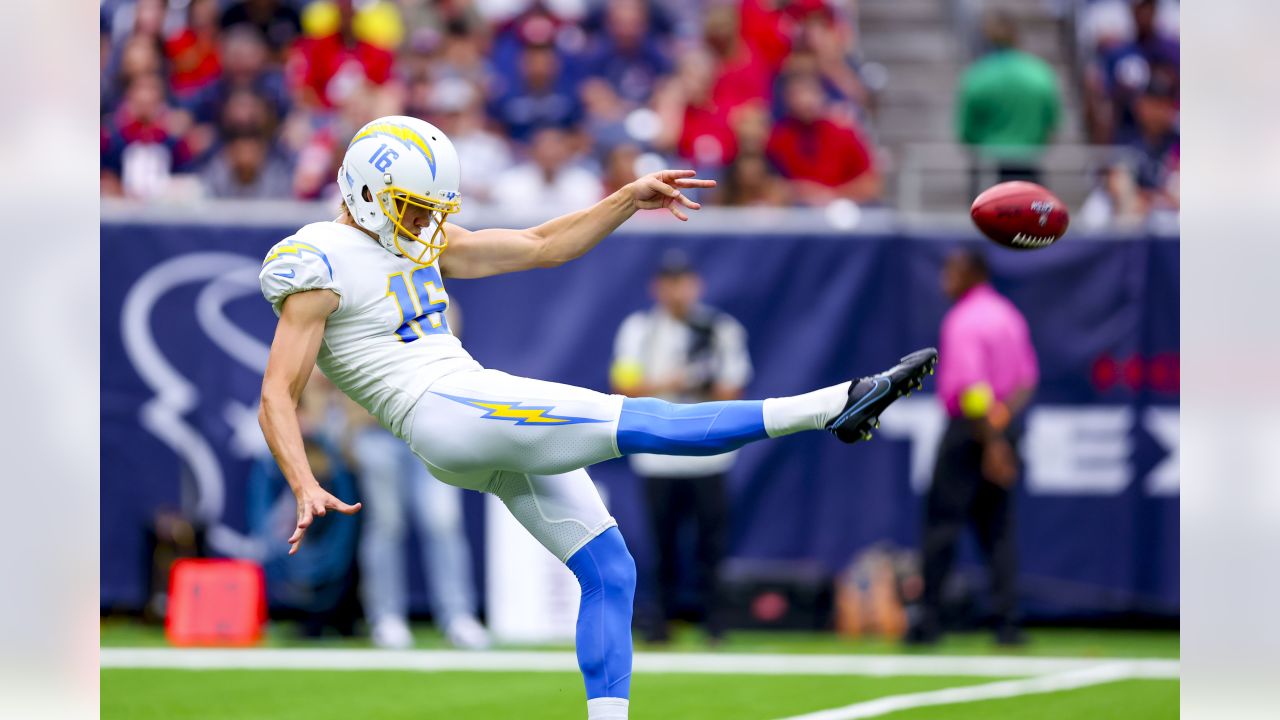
<point>771,27</point>
<point>741,74</point>
<point>692,123</point>
<point>193,52</point>
<point>754,39</point>
<point>325,69</point>
<point>822,159</point>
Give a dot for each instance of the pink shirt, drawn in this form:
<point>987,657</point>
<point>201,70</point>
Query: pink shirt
<point>984,339</point>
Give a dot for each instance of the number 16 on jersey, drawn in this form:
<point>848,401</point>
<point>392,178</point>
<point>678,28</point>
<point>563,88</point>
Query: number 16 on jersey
<point>421,298</point>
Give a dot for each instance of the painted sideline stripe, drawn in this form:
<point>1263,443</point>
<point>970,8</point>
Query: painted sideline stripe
<point>1097,675</point>
<point>533,661</point>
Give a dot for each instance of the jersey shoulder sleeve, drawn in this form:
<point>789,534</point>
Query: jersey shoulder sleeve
<point>293,265</point>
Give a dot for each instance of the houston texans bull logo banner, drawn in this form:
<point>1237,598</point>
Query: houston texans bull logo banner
<point>185,334</point>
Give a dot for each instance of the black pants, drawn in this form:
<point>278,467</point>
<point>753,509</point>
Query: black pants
<point>672,501</point>
<point>960,495</point>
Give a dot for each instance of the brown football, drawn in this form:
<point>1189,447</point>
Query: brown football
<point>1020,215</point>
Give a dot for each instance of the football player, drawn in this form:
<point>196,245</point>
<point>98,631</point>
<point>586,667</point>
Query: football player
<point>364,298</point>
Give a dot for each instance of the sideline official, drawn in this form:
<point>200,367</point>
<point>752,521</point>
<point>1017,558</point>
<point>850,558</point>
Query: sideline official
<point>683,351</point>
<point>987,372</point>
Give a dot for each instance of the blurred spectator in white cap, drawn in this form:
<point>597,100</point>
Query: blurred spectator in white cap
<point>457,107</point>
<point>549,184</point>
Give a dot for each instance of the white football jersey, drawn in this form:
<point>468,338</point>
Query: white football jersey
<point>388,340</point>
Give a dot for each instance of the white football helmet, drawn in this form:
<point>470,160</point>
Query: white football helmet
<point>401,162</point>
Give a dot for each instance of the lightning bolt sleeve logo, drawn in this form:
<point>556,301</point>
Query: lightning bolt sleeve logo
<point>296,247</point>
<point>519,413</point>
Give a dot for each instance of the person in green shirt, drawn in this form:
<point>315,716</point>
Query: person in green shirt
<point>1008,104</point>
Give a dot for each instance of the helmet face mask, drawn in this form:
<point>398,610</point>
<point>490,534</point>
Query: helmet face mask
<point>398,204</point>
<point>396,169</point>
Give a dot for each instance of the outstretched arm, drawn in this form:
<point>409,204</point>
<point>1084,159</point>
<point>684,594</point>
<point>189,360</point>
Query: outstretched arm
<point>293,356</point>
<point>480,253</point>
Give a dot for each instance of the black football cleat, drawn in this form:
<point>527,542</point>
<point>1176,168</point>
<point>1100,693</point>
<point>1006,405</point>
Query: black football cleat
<point>869,396</point>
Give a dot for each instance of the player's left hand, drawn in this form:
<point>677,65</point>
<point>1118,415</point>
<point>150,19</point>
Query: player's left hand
<point>314,502</point>
<point>662,190</point>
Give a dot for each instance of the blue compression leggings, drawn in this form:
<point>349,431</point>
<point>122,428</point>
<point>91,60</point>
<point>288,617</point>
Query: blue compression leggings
<point>604,567</point>
<point>607,574</point>
<point>650,425</point>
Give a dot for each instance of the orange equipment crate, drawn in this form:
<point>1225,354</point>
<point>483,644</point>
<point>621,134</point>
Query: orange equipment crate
<point>215,602</point>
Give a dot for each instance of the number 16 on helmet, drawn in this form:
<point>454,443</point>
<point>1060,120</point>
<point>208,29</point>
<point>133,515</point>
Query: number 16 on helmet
<point>396,163</point>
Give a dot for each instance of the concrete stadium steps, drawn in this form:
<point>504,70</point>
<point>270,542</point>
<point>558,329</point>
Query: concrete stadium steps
<point>924,46</point>
<point>931,43</point>
<point>901,9</point>
<point>906,123</point>
<point>919,83</point>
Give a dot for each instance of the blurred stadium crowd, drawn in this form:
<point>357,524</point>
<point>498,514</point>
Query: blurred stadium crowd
<point>554,103</point>
<point>1130,93</point>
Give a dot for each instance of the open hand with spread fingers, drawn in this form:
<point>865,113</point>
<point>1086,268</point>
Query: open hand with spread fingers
<point>314,502</point>
<point>662,189</point>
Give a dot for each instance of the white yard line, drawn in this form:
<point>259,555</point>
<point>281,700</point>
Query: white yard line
<point>554,661</point>
<point>1097,675</point>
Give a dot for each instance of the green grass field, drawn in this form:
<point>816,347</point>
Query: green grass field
<point>284,695</point>
<point>175,694</point>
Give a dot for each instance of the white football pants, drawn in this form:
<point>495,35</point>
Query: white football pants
<point>526,441</point>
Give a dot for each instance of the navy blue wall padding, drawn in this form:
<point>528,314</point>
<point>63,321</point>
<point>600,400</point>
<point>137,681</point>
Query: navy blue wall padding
<point>818,310</point>
<point>650,425</point>
<point>607,574</point>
